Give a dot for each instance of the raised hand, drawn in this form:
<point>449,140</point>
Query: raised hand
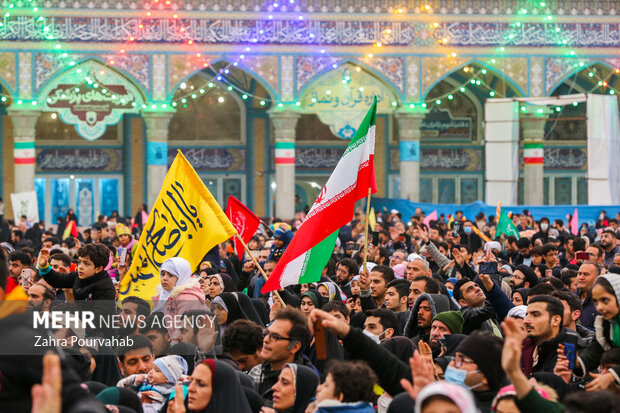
<point>46,397</point>
<point>423,375</point>
<point>458,257</point>
<point>177,404</point>
<point>331,323</point>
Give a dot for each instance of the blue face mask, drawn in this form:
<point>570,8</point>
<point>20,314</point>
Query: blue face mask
<point>467,230</point>
<point>451,293</point>
<point>454,375</point>
<point>458,376</point>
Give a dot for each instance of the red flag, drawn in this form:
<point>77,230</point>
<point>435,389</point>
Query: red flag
<point>244,221</point>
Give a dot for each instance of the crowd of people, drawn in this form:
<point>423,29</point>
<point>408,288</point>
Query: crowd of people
<point>411,315</point>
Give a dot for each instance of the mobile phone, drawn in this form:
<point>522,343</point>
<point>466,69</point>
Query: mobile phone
<point>319,340</point>
<point>570,349</point>
<point>456,228</point>
<point>122,255</point>
<point>582,256</point>
<point>375,238</point>
<point>488,267</point>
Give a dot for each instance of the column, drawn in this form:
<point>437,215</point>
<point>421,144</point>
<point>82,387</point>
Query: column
<point>533,127</point>
<point>156,151</point>
<point>409,122</point>
<point>501,146</point>
<point>284,123</point>
<point>24,122</point>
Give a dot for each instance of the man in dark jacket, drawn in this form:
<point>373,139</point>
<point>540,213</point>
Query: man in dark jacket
<point>543,324</point>
<point>470,238</point>
<point>287,336</point>
<point>426,307</point>
<point>477,311</point>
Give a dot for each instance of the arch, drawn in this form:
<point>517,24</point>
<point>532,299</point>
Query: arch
<point>44,89</point>
<point>341,97</point>
<point>7,87</point>
<point>576,72</point>
<point>208,94</point>
<point>486,66</point>
<point>355,62</point>
<point>272,94</point>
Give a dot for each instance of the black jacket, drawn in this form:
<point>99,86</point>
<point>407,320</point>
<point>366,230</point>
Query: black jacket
<point>97,287</point>
<point>387,366</point>
<point>21,368</point>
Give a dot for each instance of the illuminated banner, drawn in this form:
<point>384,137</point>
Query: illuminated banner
<point>91,97</point>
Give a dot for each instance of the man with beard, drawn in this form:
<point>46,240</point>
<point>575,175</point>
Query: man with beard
<point>345,271</point>
<point>133,311</point>
<point>522,277</point>
<point>40,297</point>
<point>543,324</point>
<point>525,252</point>
<point>427,306</point>
<point>447,322</point>
<point>608,242</point>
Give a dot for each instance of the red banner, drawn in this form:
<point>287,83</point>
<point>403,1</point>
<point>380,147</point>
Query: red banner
<point>244,221</point>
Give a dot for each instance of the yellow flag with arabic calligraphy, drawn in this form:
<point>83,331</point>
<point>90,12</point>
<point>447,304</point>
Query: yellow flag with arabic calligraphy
<point>186,221</point>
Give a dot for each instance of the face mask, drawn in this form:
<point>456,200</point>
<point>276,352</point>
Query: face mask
<point>458,376</point>
<point>372,336</point>
<point>451,293</point>
<point>467,230</point>
<point>601,217</point>
<point>544,226</point>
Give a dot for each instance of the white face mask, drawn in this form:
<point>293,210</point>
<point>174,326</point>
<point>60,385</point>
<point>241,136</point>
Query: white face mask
<point>373,337</point>
<point>544,226</point>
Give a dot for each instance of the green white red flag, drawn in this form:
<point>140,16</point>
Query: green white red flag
<point>313,244</point>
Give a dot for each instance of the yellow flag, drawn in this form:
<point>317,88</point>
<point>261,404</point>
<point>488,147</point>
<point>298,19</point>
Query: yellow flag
<point>372,218</point>
<point>186,221</point>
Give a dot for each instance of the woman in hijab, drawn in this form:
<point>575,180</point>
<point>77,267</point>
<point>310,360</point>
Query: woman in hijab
<point>247,306</point>
<point>294,389</point>
<point>179,291</point>
<point>215,388</point>
<point>442,395</point>
<point>329,290</point>
<point>219,283</point>
<point>519,296</point>
<point>310,300</point>
<point>227,310</point>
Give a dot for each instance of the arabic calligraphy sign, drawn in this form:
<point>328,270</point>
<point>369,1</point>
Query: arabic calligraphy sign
<point>92,159</point>
<point>91,97</point>
<point>439,124</point>
<point>341,98</point>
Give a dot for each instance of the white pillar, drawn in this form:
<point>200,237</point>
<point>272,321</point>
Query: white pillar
<point>501,145</point>
<point>284,123</point>
<point>533,126</point>
<point>409,122</point>
<point>24,122</point>
<point>157,151</point>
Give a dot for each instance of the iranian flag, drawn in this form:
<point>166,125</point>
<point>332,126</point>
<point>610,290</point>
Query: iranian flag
<point>313,244</point>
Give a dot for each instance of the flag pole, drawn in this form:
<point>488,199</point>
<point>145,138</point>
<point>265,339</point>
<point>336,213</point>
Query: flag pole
<point>366,229</point>
<point>275,293</point>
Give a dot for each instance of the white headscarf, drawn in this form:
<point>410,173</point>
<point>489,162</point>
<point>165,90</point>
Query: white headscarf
<point>178,267</point>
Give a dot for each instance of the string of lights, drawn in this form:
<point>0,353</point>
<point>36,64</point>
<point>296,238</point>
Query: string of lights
<point>157,9</point>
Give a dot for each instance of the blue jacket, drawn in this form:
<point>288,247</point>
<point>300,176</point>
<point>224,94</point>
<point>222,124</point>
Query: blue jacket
<point>588,312</point>
<point>355,407</point>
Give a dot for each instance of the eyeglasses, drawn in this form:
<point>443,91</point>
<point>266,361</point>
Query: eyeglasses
<point>275,336</point>
<point>459,360</point>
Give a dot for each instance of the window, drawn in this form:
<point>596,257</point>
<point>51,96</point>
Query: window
<point>221,187</point>
<point>446,189</point>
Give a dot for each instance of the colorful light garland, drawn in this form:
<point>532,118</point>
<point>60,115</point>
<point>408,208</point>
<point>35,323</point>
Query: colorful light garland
<point>156,9</point>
